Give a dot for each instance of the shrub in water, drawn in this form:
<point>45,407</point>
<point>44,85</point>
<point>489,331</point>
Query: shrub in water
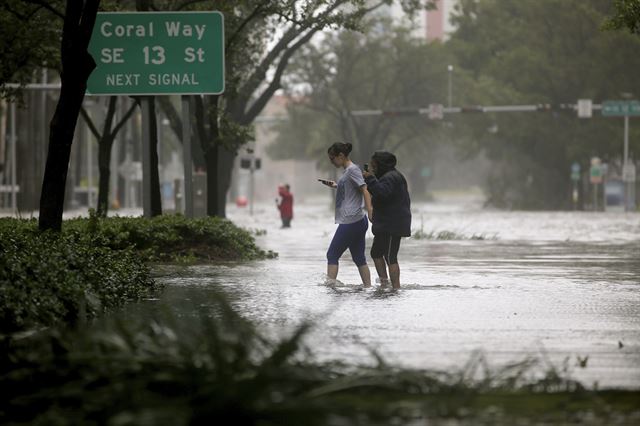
<point>169,237</point>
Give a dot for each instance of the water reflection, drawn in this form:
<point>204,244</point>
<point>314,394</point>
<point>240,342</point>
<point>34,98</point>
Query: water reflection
<point>562,283</point>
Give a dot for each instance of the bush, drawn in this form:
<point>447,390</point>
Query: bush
<point>173,237</point>
<point>50,278</point>
<point>95,264</point>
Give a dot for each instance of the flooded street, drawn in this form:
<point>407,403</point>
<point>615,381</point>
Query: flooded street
<point>561,285</point>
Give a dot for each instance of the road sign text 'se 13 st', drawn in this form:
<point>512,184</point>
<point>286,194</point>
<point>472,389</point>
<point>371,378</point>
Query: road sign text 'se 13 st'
<point>157,53</point>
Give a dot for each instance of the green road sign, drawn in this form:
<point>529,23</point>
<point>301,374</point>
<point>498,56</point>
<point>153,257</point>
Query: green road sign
<point>620,108</point>
<point>157,53</point>
<point>575,172</point>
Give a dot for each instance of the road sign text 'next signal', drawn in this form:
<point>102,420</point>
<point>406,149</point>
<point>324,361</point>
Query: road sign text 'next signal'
<point>153,53</point>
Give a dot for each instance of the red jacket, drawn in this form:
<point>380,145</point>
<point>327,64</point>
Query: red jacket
<point>286,204</point>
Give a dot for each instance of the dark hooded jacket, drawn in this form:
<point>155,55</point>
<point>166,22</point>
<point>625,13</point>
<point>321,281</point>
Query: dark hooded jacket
<point>390,197</point>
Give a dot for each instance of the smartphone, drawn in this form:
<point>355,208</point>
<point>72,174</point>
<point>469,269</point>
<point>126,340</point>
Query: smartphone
<point>325,181</point>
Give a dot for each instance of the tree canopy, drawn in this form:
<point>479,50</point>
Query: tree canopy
<point>260,41</point>
<point>551,52</point>
<point>30,34</point>
<point>626,15</point>
<point>504,52</point>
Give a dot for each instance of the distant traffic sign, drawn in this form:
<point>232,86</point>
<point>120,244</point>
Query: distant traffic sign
<point>629,172</point>
<point>620,108</point>
<point>585,108</point>
<point>575,172</point>
<point>436,111</point>
<point>152,53</point>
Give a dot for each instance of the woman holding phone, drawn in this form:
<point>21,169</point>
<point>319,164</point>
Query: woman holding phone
<point>351,197</point>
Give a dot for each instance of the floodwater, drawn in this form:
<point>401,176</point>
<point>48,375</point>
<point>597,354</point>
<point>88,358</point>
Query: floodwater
<point>559,286</point>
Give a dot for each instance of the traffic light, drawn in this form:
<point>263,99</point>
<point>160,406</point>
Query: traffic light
<point>245,163</point>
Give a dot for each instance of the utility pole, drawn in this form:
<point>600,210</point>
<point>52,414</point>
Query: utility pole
<point>450,69</point>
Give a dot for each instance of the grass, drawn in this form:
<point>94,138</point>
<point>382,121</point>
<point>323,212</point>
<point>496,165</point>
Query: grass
<point>167,371</point>
<point>448,235</point>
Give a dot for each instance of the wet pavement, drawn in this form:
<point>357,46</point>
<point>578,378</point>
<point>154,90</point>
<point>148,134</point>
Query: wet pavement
<point>556,285</point>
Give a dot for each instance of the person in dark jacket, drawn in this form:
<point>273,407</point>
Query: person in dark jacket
<point>285,205</point>
<point>391,215</point>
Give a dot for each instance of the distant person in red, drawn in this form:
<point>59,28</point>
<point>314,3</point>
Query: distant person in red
<point>285,205</point>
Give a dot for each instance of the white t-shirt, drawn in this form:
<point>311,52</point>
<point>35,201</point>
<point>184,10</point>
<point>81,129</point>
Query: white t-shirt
<point>349,198</point>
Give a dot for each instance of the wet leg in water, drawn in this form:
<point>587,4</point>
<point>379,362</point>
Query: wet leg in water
<point>365,275</point>
<point>394,272</point>
<point>381,268</point>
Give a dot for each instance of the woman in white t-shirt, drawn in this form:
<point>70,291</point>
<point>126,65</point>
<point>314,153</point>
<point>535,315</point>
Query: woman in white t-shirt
<point>351,198</point>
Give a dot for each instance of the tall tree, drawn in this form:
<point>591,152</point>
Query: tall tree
<point>76,64</point>
<point>547,52</point>
<point>382,68</point>
<point>154,185</point>
<point>260,40</point>
<point>105,138</point>
<point>626,15</point>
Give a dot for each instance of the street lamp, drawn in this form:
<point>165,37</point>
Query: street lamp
<point>450,68</point>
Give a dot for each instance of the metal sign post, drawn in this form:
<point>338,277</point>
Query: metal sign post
<point>146,156</point>
<point>252,185</point>
<point>624,109</point>
<point>186,159</point>
<point>14,147</point>
<point>575,178</point>
<point>595,177</point>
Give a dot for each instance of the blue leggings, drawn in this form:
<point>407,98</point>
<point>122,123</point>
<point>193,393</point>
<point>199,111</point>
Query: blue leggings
<point>349,236</point>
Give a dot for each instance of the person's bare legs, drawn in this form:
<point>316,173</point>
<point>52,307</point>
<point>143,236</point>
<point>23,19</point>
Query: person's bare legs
<point>332,271</point>
<point>381,268</point>
<point>365,275</point>
<point>394,273</point>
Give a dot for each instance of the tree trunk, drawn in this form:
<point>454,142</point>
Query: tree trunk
<point>62,127</point>
<point>104,165</point>
<point>211,158</point>
<point>225,167</point>
<point>105,145</point>
<point>77,64</point>
<point>156,200</point>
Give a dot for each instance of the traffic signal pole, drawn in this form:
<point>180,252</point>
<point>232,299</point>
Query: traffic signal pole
<point>437,110</point>
<point>583,107</point>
